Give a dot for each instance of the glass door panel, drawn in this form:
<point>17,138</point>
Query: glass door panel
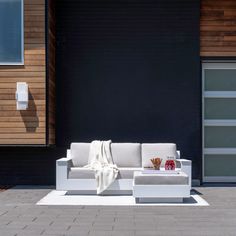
<point>220,80</point>
<point>220,165</point>
<point>220,108</point>
<point>220,137</point>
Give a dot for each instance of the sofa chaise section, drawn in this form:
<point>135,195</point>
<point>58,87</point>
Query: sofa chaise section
<point>164,150</point>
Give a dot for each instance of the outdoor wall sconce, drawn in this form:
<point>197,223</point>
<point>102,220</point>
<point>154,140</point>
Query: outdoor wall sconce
<point>22,96</point>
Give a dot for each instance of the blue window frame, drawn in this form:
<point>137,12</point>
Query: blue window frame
<point>11,32</point>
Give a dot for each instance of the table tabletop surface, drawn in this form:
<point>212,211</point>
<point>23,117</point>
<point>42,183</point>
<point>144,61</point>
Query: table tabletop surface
<point>161,172</point>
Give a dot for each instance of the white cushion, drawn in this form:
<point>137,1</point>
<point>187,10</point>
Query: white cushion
<point>84,173</point>
<point>161,150</point>
<point>152,179</point>
<point>79,154</point>
<point>126,154</point>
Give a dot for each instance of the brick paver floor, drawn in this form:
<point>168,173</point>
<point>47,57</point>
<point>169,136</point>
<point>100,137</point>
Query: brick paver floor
<point>20,216</point>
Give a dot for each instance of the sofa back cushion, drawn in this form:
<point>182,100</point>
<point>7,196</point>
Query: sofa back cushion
<point>79,154</point>
<point>126,154</point>
<point>162,150</point>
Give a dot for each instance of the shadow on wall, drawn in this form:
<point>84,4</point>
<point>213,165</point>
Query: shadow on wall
<point>29,116</point>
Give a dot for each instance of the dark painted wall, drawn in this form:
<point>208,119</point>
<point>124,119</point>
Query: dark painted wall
<point>125,70</point>
<point>129,71</point>
<point>29,165</point>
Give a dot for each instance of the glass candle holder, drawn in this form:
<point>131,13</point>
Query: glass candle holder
<point>170,164</point>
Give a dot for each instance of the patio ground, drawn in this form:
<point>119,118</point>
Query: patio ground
<point>20,216</point>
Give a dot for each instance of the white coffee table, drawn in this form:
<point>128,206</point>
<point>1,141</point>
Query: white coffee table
<point>162,186</point>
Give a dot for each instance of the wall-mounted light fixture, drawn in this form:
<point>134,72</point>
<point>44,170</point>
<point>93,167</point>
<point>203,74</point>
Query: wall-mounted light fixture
<point>22,96</point>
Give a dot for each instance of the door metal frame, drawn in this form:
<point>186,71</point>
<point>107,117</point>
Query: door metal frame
<point>219,65</point>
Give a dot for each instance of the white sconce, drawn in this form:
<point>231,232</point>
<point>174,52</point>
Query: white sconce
<point>22,96</point>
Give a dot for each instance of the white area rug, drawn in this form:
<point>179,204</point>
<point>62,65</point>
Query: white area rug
<point>60,198</point>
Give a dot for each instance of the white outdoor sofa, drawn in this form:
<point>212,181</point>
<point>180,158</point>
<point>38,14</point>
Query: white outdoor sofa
<point>129,157</point>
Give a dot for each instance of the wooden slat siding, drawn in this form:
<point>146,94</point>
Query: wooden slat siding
<point>51,71</point>
<point>218,28</point>
<point>26,127</point>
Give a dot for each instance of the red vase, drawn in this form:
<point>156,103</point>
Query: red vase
<point>170,165</point>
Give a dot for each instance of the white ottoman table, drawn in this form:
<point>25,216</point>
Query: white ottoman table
<point>161,186</point>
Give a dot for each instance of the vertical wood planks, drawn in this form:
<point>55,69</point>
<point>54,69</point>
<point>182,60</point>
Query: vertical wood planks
<point>26,127</point>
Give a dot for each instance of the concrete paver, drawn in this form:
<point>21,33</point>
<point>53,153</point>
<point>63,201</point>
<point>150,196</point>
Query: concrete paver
<point>20,216</point>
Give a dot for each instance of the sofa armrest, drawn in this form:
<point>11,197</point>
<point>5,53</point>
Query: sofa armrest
<point>62,168</point>
<point>186,167</point>
<point>184,162</point>
<point>65,161</point>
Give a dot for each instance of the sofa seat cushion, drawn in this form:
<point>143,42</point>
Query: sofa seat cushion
<point>127,173</point>
<point>161,150</point>
<point>83,173</point>
<point>161,179</point>
<point>126,154</point>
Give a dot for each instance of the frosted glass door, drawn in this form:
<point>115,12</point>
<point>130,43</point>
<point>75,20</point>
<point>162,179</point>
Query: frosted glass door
<point>219,122</point>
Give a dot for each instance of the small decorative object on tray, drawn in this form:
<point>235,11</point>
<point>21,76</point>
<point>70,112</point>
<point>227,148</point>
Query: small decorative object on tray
<point>156,163</point>
<point>170,163</point>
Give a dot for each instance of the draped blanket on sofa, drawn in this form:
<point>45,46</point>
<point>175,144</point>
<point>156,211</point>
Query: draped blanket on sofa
<point>100,160</point>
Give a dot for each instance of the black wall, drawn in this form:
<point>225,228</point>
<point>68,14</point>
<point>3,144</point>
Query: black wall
<point>29,165</point>
<point>126,70</point>
<point>129,71</point>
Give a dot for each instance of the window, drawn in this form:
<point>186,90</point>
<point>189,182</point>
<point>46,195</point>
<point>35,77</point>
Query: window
<point>11,32</point>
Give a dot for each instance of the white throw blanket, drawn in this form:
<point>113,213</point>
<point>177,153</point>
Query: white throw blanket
<point>100,160</point>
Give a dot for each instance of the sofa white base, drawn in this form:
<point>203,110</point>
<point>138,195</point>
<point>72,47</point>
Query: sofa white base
<point>161,193</point>
<point>94,192</point>
<point>88,185</point>
<point>159,200</point>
